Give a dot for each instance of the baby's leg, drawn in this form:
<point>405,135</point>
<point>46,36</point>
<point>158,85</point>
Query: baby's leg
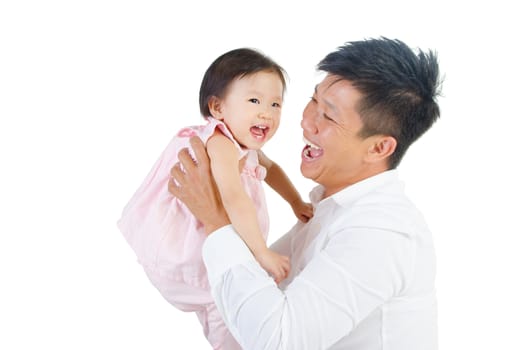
<point>190,298</point>
<point>181,295</point>
<point>215,329</point>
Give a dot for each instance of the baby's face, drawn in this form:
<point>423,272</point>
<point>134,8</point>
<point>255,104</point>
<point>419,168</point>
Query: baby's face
<point>252,108</point>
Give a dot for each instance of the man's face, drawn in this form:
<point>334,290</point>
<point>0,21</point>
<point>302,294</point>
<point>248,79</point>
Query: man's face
<point>335,155</point>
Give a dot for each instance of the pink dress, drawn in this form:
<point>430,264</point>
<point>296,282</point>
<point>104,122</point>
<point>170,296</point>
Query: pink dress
<point>167,238</point>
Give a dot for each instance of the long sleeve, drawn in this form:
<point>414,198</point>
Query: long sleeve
<point>354,272</point>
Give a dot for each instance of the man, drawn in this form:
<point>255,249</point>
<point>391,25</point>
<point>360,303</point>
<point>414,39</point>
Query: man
<point>363,268</point>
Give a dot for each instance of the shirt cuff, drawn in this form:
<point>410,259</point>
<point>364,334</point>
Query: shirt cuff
<point>222,250</point>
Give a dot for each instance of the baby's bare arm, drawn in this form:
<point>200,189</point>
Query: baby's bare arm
<point>277,179</point>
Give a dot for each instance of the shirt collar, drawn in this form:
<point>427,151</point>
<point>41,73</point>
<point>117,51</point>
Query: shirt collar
<point>353,192</point>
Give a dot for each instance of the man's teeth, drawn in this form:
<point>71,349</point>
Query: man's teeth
<point>311,144</point>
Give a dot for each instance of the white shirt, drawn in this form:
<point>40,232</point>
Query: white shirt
<point>362,276</point>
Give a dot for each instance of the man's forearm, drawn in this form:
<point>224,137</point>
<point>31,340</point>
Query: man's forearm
<point>215,222</point>
<point>322,304</point>
<point>251,278</point>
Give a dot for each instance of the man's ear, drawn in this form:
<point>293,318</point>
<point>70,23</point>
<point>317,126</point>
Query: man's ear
<point>381,147</point>
<point>215,107</point>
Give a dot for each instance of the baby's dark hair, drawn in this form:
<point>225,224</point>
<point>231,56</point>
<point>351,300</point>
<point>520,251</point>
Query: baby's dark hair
<point>230,66</point>
<point>399,88</point>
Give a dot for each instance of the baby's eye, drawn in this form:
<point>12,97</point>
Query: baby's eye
<point>254,100</point>
<point>275,104</point>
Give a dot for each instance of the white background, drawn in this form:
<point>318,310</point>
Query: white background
<point>92,91</point>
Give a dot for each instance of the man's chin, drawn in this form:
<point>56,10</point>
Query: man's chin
<point>308,170</point>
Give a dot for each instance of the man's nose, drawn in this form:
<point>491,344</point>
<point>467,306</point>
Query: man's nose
<point>308,121</point>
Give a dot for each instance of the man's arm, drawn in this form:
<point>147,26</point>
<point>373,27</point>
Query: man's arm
<point>356,272</point>
<point>353,275</point>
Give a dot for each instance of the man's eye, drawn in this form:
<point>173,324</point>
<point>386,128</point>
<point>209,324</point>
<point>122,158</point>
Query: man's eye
<point>327,117</point>
<point>254,100</point>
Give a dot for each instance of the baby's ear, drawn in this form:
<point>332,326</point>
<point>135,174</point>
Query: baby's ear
<point>215,107</point>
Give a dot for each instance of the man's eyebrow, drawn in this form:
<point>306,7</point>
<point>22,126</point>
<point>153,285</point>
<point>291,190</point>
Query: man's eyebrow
<point>329,104</point>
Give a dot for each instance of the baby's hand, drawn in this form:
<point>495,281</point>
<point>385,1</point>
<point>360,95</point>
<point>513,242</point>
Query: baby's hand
<point>278,266</point>
<point>303,211</point>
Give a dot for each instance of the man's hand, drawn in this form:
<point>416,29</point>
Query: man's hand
<point>196,188</point>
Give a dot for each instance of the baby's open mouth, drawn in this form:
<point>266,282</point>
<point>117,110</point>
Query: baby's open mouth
<point>259,131</point>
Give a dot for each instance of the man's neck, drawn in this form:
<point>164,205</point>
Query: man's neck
<point>372,171</point>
